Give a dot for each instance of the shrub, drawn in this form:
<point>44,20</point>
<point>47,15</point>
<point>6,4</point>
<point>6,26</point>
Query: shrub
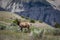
<point>40,21</point>
<point>2,27</point>
<point>26,18</point>
<point>32,21</point>
<point>57,32</point>
<point>15,21</point>
<point>57,25</point>
<point>22,16</point>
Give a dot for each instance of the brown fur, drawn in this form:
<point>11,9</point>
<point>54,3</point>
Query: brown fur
<point>24,25</point>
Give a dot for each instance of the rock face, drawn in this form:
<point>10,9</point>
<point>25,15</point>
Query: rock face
<point>34,9</point>
<point>17,5</point>
<point>55,3</point>
<point>1,9</point>
<point>40,11</point>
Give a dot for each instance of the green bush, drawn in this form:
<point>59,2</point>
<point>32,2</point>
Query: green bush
<point>2,27</point>
<point>57,32</point>
<point>40,21</point>
<point>57,25</point>
<point>22,16</point>
<point>32,21</point>
<point>15,21</point>
<point>26,18</point>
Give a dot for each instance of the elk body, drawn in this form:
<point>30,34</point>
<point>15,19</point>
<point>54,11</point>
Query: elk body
<point>24,25</point>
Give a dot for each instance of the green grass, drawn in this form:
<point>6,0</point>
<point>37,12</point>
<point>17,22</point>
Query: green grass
<point>37,34</point>
<point>40,21</point>
<point>6,20</point>
<point>8,17</point>
<point>9,35</point>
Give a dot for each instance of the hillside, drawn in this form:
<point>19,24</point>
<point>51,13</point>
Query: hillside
<point>38,31</point>
<point>8,17</point>
<point>39,13</point>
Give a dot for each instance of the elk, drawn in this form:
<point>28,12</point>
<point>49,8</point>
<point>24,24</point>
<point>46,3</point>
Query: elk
<point>23,25</point>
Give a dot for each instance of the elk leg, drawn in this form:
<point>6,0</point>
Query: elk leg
<point>21,29</point>
<point>28,29</point>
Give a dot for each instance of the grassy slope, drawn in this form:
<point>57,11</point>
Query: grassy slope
<point>10,35</point>
<point>7,17</point>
